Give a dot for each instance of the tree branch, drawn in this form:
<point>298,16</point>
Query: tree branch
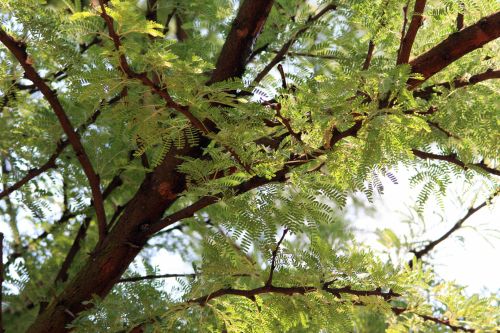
<point>301,290</point>
<point>33,173</point>
<point>280,55</point>
<point>454,47</point>
<point>143,77</point>
<point>273,258</point>
<point>1,283</point>
<point>369,55</point>
<point>452,158</point>
<point>403,29</point>
<point>440,321</point>
<point>152,10</point>
<point>308,55</point>
<point>337,292</point>
<point>62,275</point>
<point>460,17</point>
<point>114,184</point>
<point>427,92</point>
<point>205,201</point>
<point>431,245</point>
<point>286,122</point>
<point>153,277</point>
<point>409,38</point>
<point>18,49</point>
<point>252,183</point>
<point>237,48</point>
<point>60,146</point>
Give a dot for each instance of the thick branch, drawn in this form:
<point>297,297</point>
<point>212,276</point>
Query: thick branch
<point>62,275</point>
<point>409,38</point>
<point>454,47</point>
<point>19,51</point>
<point>252,183</point>
<point>369,55</point>
<point>237,48</point>
<point>159,190</point>
<point>452,158</point>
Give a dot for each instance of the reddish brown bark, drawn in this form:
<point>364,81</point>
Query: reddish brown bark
<point>454,47</point>
<point>246,28</point>
<point>409,38</point>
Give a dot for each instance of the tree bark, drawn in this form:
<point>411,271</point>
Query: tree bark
<point>239,42</point>
<point>454,47</point>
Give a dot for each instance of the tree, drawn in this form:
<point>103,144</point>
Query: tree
<point>233,134</point>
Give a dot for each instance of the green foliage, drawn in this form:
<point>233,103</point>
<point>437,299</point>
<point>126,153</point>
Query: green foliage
<point>233,243</point>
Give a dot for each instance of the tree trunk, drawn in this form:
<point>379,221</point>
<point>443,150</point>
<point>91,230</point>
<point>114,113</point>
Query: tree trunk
<point>108,262</point>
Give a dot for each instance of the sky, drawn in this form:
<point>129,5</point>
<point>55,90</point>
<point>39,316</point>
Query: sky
<point>471,256</point>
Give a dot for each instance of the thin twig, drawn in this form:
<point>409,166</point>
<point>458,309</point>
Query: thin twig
<point>460,17</point>
<point>308,55</point>
<point>431,245</point>
<point>280,55</point>
<point>154,277</point>
<point>60,146</point>
<point>269,281</point>
<point>114,184</point>
<point>398,311</point>
<point>286,122</point>
<point>33,173</point>
<point>441,129</point>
